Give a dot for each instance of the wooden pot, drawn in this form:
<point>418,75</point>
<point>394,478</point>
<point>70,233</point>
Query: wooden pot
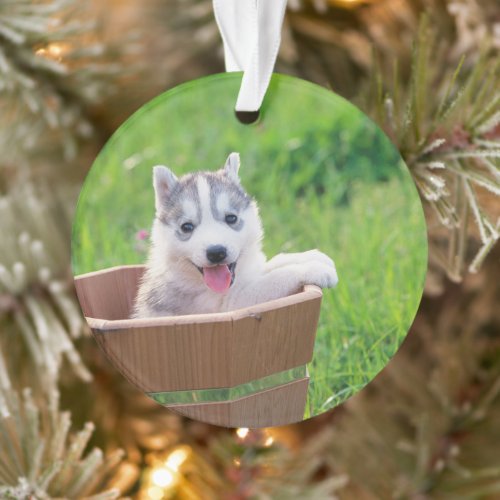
<point>243,368</point>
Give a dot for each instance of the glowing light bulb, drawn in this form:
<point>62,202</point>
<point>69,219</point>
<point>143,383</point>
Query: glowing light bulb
<point>163,477</point>
<point>177,458</point>
<point>242,432</point>
<point>269,441</point>
<point>55,49</point>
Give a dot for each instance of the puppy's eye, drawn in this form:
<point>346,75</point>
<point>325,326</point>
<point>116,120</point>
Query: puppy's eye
<point>231,219</point>
<point>187,227</point>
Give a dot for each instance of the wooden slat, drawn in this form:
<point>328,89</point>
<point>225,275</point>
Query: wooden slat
<point>183,357</point>
<point>279,406</point>
<point>109,294</point>
<point>273,341</point>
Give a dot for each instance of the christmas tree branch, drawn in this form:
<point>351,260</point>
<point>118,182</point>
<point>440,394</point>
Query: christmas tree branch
<point>53,70</point>
<point>37,302</point>
<point>426,425</point>
<point>36,460</point>
<point>446,125</point>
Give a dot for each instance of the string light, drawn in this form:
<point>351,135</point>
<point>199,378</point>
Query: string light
<point>177,458</point>
<point>242,432</point>
<point>163,477</point>
<point>269,441</point>
<point>53,50</point>
<point>164,474</point>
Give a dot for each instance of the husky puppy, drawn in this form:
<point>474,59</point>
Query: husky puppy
<point>206,254</point>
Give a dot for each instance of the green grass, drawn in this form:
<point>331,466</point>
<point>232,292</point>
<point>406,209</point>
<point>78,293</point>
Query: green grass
<point>324,177</point>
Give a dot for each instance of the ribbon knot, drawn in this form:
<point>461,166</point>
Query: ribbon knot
<point>251,33</point>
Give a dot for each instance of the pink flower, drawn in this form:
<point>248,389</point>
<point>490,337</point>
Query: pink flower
<point>142,235</point>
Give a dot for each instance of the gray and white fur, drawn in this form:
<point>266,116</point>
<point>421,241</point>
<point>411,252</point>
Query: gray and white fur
<point>205,227</point>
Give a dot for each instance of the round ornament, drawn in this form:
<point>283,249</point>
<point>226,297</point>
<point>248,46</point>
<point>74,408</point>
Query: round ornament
<point>249,275</point>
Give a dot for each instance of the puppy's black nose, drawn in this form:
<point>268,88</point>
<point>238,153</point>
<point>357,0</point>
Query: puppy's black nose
<point>216,254</point>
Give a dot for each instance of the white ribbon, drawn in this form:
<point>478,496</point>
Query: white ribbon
<point>251,32</point>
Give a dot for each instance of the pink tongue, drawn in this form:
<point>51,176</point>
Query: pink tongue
<point>218,278</point>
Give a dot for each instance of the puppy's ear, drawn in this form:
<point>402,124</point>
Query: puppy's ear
<point>232,166</point>
<point>164,181</point>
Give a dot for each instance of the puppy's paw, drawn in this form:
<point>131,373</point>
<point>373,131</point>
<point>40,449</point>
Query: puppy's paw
<point>317,256</point>
<point>320,274</point>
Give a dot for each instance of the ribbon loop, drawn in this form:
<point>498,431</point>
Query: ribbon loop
<point>251,33</point>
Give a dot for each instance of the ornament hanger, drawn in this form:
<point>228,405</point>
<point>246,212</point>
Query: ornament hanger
<point>251,32</point>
